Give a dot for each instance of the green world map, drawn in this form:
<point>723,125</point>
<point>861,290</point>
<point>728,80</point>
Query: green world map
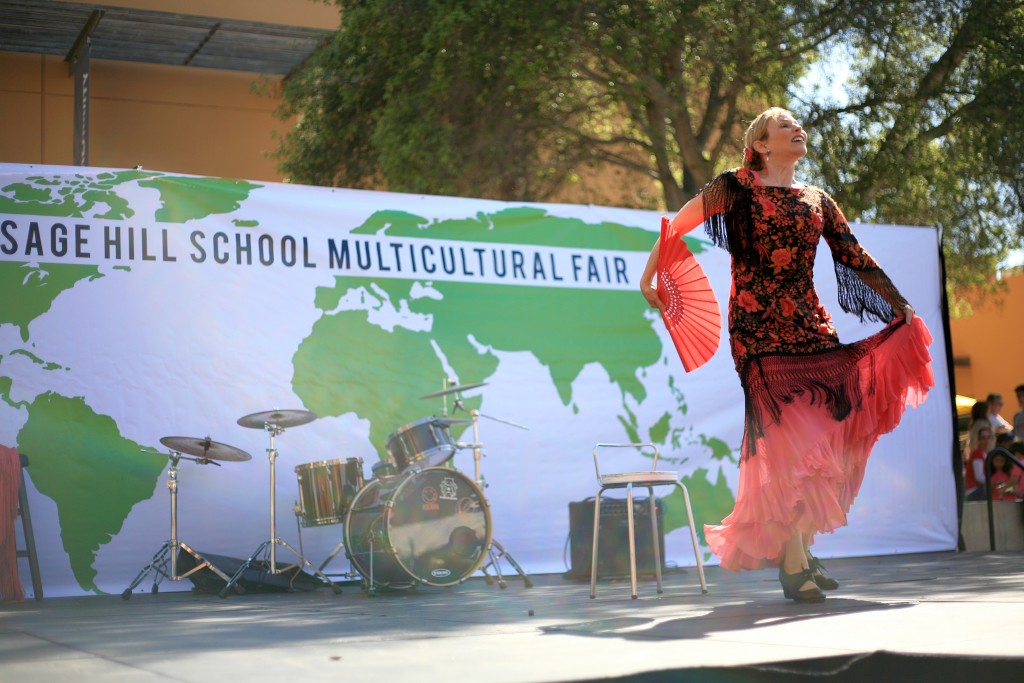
<point>76,452</point>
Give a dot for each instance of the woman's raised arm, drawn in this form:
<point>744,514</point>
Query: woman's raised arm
<point>685,220</point>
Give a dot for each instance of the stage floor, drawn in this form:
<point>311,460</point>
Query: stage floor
<point>939,604</point>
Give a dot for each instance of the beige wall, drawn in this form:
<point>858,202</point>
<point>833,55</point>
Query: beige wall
<point>304,13</point>
<point>178,119</point>
<point>992,342</point>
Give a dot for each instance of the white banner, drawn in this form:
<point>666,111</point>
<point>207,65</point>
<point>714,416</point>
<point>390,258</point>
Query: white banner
<point>140,305</point>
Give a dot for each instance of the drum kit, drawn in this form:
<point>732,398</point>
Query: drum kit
<point>417,521</point>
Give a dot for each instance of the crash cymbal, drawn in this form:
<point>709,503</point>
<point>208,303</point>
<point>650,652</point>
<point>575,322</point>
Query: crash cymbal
<point>278,418</point>
<point>205,448</point>
<point>455,389</point>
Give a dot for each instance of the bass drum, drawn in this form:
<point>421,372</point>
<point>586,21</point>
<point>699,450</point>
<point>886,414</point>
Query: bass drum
<point>429,526</point>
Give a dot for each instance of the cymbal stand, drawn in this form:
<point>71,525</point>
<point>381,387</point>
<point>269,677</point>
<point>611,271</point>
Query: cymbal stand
<point>270,546</point>
<point>165,562</point>
<point>495,551</point>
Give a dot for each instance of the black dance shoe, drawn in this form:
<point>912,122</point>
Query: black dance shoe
<point>821,577</point>
<point>791,586</point>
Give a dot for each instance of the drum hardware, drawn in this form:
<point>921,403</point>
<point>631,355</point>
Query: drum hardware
<point>165,561</point>
<point>428,526</point>
<point>350,574</point>
<point>274,422</point>
<point>448,422</point>
<point>495,551</point>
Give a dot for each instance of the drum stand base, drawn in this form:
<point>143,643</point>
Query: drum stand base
<point>165,565</point>
<point>267,548</point>
<point>493,558</point>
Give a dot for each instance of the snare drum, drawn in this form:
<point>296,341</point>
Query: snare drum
<point>327,489</point>
<point>425,443</point>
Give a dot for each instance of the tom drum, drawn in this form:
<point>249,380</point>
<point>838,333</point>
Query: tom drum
<point>327,489</point>
<point>424,443</point>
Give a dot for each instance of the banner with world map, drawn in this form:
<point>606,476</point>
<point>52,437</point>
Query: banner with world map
<point>139,305</point>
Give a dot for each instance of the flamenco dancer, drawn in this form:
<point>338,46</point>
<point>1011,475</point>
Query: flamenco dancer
<point>814,407</point>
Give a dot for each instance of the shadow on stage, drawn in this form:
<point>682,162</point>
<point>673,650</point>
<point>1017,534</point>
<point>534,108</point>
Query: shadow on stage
<point>732,617</point>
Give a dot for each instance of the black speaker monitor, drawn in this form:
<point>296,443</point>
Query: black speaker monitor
<point>613,544</point>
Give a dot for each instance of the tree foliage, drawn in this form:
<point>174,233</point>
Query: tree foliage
<point>509,98</point>
<point>932,128</point>
<point>513,99</point>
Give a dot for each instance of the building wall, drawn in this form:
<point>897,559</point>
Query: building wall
<point>184,120</point>
<point>166,118</point>
<point>988,346</point>
<point>304,13</point>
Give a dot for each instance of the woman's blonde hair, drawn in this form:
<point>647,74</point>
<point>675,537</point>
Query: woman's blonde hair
<point>758,130</point>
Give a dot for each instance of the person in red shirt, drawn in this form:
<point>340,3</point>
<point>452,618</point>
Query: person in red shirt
<point>1005,480</point>
<point>974,468</point>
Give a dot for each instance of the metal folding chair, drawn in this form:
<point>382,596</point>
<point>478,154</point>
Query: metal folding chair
<point>649,479</point>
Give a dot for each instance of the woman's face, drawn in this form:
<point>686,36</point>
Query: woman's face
<point>785,139</point>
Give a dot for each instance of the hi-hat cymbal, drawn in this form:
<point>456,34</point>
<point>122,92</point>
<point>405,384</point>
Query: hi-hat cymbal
<point>455,389</point>
<point>205,448</point>
<point>277,418</point>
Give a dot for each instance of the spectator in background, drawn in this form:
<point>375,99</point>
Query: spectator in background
<point>995,406</point>
<point>1017,449</point>
<point>1003,475</point>
<point>1018,417</point>
<point>974,470</point>
<point>979,421</point>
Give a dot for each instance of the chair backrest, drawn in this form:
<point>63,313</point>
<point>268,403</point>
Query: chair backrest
<point>641,446</point>
<point>29,551</point>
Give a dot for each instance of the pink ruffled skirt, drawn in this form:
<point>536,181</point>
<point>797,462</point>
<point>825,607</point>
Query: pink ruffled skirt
<point>803,470</point>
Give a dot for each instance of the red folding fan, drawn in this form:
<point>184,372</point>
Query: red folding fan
<point>690,312</point>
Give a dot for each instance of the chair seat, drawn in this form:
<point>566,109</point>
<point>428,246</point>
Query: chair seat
<point>647,478</point>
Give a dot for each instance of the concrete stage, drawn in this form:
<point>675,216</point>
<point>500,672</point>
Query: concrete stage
<point>944,607</point>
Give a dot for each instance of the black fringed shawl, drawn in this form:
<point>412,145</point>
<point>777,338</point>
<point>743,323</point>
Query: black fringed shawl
<point>832,377</point>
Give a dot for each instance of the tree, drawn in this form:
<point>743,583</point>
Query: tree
<point>511,99</point>
<point>932,132</point>
<point>508,98</point>
<point>427,96</point>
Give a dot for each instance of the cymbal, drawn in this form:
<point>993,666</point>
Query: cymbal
<point>278,418</point>
<point>205,448</point>
<point>455,389</point>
